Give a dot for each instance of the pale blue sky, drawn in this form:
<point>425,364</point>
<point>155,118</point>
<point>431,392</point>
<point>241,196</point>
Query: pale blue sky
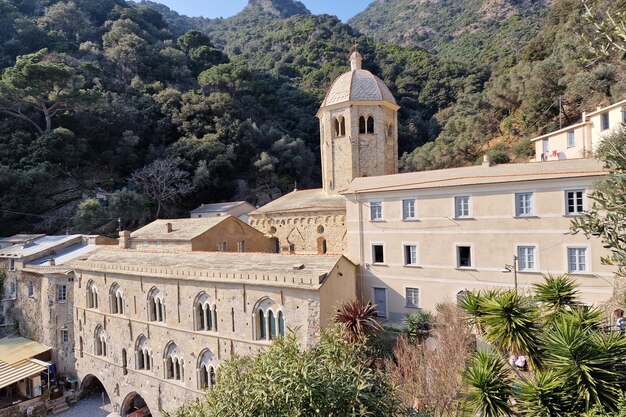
<point>344,9</point>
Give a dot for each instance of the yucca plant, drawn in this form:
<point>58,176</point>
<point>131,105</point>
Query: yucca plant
<point>418,325</point>
<point>589,362</point>
<point>557,294</point>
<point>470,304</point>
<point>510,323</point>
<point>358,320</point>
<point>490,384</point>
<point>543,396</point>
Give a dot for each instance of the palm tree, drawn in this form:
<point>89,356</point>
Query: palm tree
<point>471,305</point>
<point>358,319</point>
<point>543,395</point>
<point>490,384</point>
<point>557,294</point>
<point>510,322</point>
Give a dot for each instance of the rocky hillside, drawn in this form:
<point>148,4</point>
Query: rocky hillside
<point>473,31</point>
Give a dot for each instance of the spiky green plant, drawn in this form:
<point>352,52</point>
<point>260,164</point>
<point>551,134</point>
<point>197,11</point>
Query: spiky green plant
<point>589,362</point>
<point>557,294</point>
<point>490,384</point>
<point>418,325</point>
<point>542,396</point>
<point>510,321</point>
<point>471,305</point>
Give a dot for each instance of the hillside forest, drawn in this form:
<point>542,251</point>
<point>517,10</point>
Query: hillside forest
<point>113,113</point>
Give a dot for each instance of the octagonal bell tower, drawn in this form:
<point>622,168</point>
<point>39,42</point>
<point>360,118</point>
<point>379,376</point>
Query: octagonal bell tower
<point>358,128</point>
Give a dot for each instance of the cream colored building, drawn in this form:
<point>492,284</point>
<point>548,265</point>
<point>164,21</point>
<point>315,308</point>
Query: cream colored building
<point>153,323</point>
<point>423,238</point>
<point>581,140</point>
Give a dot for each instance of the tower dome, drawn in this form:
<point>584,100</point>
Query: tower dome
<point>357,85</point>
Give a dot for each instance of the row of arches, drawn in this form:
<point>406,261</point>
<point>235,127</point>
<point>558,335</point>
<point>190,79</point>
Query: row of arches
<point>271,319</point>
<point>366,126</point>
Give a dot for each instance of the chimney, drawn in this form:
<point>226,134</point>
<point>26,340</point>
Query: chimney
<point>486,161</point>
<point>169,227</point>
<point>52,262</point>
<point>124,239</point>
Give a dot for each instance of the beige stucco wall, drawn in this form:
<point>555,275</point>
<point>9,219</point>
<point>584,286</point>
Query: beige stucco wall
<point>558,142</point>
<point>339,287</point>
<point>235,302</point>
<point>304,230</point>
<point>493,232</point>
<point>616,118</point>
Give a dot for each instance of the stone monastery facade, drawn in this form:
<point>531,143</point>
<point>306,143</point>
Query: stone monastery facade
<point>154,316</point>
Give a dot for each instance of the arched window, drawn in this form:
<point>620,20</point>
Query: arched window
<point>92,295</point>
<point>116,299</point>
<point>269,318</point>
<point>342,126</point>
<point>100,342</point>
<point>143,355</point>
<point>156,306</point>
<point>362,124</point>
<point>321,246</point>
<point>206,369</point>
<point>370,124</point>
<point>336,128</point>
<point>205,313</point>
<point>389,130</point>
<point>174,363</point>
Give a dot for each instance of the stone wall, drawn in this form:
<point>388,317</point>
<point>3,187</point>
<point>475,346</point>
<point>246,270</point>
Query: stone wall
<point>305,230</point>
<point>237,326</point>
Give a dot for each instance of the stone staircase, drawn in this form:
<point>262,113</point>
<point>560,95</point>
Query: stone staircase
<point>59,405</point>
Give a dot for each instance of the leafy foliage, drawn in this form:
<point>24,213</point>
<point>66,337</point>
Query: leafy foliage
<point>329,379</point>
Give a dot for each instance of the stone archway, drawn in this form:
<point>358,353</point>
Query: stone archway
<point>134,406</point>
<point>91,385</point>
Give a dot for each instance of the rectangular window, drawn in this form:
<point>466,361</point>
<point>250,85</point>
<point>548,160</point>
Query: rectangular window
<point>11,264</point>
<point>378,254</point>
<point>574,200</point>
<point>412,297</point>
<point>241,246</point>
<point>526,258</point>
<point>145,243</point>
<point>577,259</point>
<point>571,139</point>
<point>61,292</point>
<point>408,209</point>
<point>410,254</point>
<point>380,300</point>
<point>65,335</point>
<point>376,210</point>
<point>462,206</point>
<point>464,256</point>
<point>31,288</point>
<point>222,247</point>
<point>12,289</point>
<point>159,243</point>
<point>524,204</point>
<point>545,146</point>
<point>604,121</point>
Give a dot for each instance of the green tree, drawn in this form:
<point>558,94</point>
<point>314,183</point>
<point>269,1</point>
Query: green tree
<point>128,206</point>
<point>557,294</point>
<point>605,218</point>
<point>38,87</point>
<point>90,215</point>
<point>329,379</point>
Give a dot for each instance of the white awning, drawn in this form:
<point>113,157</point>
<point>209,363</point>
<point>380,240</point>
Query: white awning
<point>10,374</point>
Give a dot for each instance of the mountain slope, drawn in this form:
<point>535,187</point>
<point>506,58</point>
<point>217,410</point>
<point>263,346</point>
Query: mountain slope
<point>473,31</point>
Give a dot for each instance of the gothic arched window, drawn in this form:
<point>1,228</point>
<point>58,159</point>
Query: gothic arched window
<point>156,306</point>
<point>204,313</point>
<point>116,299</point>
<point>143,354</point>
<point>370,124</point>
<point>269,319</point>
<point>336,128</point>
<point>362,125</point>
<point>100,341</point>
<point>92,295</point>
<point>342,126</point>
<point>206,369</point>
<point>174,363</point>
